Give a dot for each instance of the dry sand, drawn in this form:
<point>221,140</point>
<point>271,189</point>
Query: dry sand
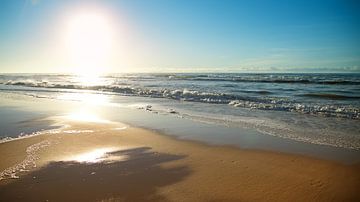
<point>146,166</point>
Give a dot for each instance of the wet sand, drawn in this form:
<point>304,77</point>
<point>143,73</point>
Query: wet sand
<point>108,162</point>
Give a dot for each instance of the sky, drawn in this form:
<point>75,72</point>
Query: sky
<point>48,36</point>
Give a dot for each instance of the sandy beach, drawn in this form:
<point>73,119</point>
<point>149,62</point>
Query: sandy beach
<point>115,162</point>
<point>179,100</point>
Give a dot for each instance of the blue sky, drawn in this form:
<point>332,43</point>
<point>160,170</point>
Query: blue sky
<point>171,35</point>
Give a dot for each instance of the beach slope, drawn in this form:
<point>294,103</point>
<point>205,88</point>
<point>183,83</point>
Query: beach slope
<point>112,162</point>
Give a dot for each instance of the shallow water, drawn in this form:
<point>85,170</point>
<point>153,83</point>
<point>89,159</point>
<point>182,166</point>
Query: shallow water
<point>214,130</point>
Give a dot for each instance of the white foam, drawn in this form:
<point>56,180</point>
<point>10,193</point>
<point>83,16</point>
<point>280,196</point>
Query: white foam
<point>28,163</point>
<point>23,136</point>
<point>77,131</point>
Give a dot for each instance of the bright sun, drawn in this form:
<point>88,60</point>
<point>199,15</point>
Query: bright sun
<point>89,38</point>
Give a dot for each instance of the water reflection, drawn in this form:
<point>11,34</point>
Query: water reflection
<point>90,106</point>
<point>87,98</point>
<point>99,155</point>
<point>85,115</point>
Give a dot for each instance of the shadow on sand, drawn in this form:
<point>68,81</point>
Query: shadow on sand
<point>135,179</point>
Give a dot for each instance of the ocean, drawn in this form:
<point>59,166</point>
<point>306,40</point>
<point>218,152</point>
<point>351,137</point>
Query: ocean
<point>318,109</point>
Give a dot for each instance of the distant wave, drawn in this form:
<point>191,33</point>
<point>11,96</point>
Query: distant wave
<point>43,84</point>
<point>261,92</point>
<point>269,80</point>
<point>325,79</point>
<point>330,96</point>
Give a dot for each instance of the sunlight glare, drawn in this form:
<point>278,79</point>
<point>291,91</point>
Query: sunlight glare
<point>99,155</point>
<point>85,116</point>
<point>87,98</point>
<point>89,38</point>
<point>89,80</point>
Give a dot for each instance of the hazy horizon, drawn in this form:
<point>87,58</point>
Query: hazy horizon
<point>214,71</point>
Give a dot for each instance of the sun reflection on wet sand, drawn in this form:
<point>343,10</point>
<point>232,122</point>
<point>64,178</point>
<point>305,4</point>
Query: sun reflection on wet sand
<point>98,155</point>
<point>87,98</point>
<point>85,116</point>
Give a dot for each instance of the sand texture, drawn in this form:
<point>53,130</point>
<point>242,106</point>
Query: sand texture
<point>142,165</point>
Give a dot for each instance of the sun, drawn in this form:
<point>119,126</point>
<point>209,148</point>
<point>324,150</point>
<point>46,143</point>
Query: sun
<point>89,39</point>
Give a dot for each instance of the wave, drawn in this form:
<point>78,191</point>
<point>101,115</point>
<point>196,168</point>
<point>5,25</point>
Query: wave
<point>330,96</point>
<point>322,79</point>
<point>261,92</point>
<point>251,99</point>
<point>324,110</point>
<point>44,84</point>
<point>327,79</point>
<point>253,80</point>
<point>263,98</point>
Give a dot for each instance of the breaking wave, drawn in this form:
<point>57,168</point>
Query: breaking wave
<point>326,94</point>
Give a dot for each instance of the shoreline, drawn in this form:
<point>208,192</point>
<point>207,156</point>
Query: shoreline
<point>60,123</point>
<point>179,169</point>
<point>243,137</point>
